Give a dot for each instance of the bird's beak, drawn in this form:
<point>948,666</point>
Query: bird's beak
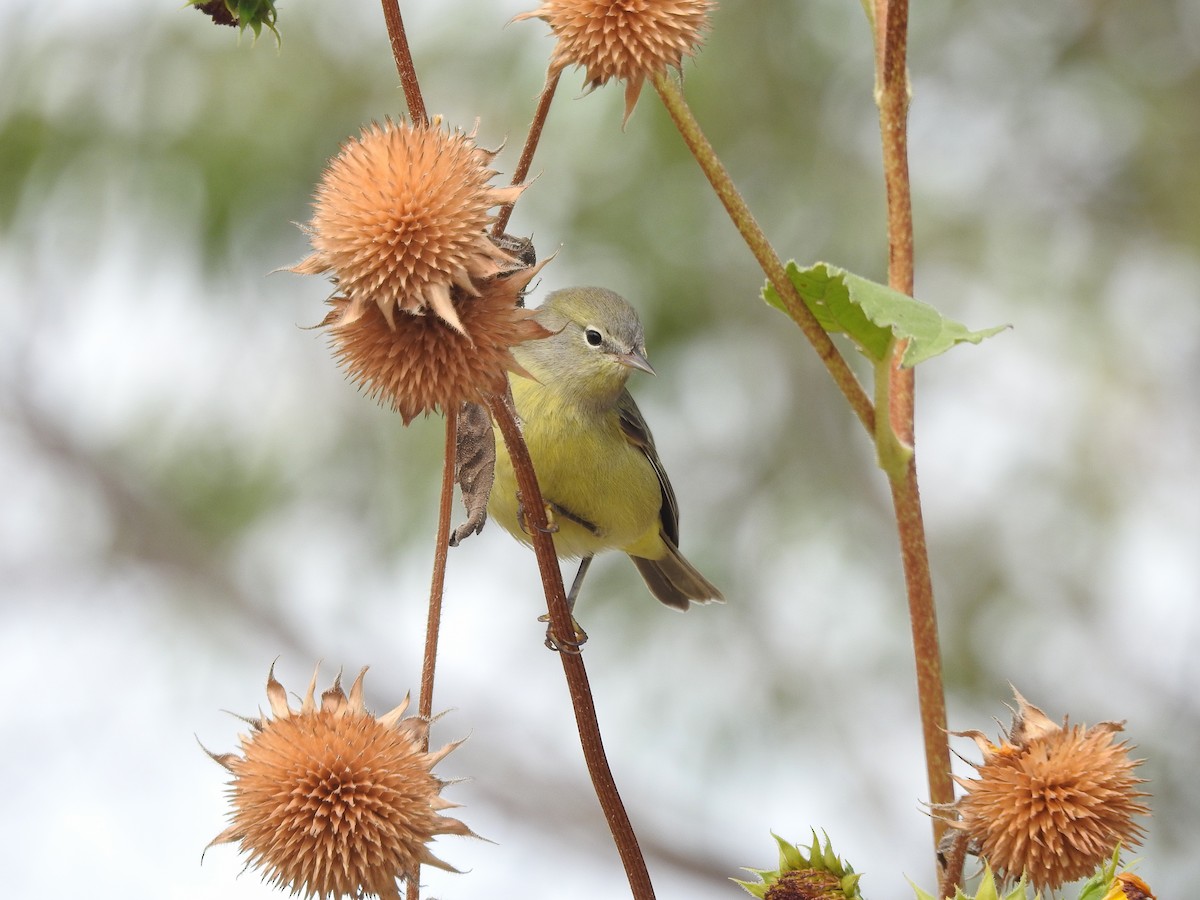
<point>636,359</point>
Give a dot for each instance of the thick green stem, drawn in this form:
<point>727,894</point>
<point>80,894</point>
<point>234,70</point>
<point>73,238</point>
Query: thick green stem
<point>756,240</point>
<point>892,89</point>
<point>561,623</point>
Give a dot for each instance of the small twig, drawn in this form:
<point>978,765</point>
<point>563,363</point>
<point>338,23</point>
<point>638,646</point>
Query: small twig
<point>891,36</point>
<point>756,240</point>
<point>531,141</point>
<point>404,62</point>
<point>576,675</point>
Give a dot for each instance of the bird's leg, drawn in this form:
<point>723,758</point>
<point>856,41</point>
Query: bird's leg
<point>573,595</point>
<point>580,637</point>
<point>553,509</point>
<point>554,512</point>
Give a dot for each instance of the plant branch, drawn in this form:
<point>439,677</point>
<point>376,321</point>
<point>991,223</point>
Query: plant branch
<point>756,240</point>
<point>404,62</point>
<point>561,623</point>
<point>892,95</point>
<point>531,141</point>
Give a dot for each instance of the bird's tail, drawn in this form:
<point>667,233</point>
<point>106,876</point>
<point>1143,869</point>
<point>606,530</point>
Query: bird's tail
<point>674,580</point>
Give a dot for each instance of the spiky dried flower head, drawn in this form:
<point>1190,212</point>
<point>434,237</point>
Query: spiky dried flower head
<point>331,801</point>
<point>624,39</point>
<point>419,364</point>
<point>818,874</point>
<point>427,307</point>
<point>399,220</point>
<point>1051,801</point>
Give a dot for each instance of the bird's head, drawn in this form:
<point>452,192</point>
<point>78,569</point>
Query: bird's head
<point>597,342</point>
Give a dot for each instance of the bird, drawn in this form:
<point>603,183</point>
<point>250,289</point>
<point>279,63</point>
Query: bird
<point>599,472</point>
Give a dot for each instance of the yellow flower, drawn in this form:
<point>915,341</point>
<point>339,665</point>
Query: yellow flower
<point>1050,801</point>
<point>623,39</point>
<point>1128,886</point>
<point>330,801</point>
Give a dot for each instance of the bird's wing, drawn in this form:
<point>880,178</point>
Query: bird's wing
<point>638,433</point>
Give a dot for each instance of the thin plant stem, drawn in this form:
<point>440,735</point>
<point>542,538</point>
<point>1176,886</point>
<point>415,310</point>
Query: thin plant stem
<point>404,62</point>
<point>504,414</point>
<point>438,582</point>
<point>531,141</point>
<point>891,36</point>
<point>689,128</point>
<point>437,587</point>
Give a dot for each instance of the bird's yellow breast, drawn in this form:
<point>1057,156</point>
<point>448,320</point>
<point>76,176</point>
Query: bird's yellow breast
<point>588,470</point>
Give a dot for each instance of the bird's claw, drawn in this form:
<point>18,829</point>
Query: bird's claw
<point>553,642</point>
<point>527,526</point>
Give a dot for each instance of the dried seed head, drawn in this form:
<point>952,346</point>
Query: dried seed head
<point>330,801</point>
<point>419,364</point>
<point>1050,801</point>
<point>399,220</point>
<point>624,39</point>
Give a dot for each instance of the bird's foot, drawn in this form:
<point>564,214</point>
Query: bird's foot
<point>528,527</point>
<point>553,642</point>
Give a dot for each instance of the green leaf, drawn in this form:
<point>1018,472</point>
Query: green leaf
<point>754,889</point>
<point>987,887</point>
<point>872,315</point>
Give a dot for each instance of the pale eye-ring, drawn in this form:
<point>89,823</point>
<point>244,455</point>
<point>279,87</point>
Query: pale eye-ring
<point>594,337</point>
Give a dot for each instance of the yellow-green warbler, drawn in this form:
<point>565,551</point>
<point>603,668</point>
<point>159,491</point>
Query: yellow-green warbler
<point>603,483</point>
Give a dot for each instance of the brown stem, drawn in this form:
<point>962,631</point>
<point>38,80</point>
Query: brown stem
<point>404,62</point>
<point>756,240</point>
<point>437,587</point>
<point>438,582</point>
<point>603,783</point>
<point>891,35</point>
<point>531,141</point>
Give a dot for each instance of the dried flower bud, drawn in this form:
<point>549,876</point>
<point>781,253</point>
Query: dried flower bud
<point>241,14</point>
<point>330,801</point>
<point>1050,801</point>
<point>818,874</point>
<point>629,40</point>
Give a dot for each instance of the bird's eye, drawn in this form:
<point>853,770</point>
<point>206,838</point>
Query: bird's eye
<point>594,337</point>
